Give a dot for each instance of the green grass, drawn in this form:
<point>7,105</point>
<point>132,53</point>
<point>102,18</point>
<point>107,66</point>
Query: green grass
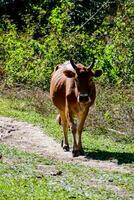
<point>29,176</point>
<point>98,142</point>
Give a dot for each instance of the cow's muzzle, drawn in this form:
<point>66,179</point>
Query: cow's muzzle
<point>83,98</point>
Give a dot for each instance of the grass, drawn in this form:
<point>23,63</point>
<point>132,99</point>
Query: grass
<point>29,176</point>
<point>99,144</point>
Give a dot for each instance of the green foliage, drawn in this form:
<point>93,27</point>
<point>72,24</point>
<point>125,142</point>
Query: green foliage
<point>114,48</point>
<point>23,59</point>
<point>42,35</point>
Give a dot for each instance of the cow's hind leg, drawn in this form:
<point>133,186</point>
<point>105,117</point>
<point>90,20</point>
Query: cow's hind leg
<point>58,119</point>
<point>64,124</point>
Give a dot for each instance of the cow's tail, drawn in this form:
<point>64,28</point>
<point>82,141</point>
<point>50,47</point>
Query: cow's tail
<point>58,118</point>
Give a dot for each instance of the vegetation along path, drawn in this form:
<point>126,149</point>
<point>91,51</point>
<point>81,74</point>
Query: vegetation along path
<point>31,138</point>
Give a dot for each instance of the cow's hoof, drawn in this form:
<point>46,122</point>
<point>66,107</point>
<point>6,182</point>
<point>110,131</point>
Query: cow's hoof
<point>75,153</point>
<point>81,152</point>
<point>66,147</point>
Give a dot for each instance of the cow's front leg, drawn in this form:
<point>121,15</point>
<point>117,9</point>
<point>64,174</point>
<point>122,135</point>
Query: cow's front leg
<point>77,146</point>
<point>73,129</point>
<point>82,119</point>
<point>65,143</point>
<point>64,124</point>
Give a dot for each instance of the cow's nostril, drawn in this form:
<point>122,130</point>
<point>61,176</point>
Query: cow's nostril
<point>83,98</point>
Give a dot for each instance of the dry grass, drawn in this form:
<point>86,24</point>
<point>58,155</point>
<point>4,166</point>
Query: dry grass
<point>114,109</point>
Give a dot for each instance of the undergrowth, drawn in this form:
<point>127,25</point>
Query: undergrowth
<point>103,138</point>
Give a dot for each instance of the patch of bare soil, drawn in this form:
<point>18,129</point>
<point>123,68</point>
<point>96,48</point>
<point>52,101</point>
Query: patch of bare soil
<point>31,138</point>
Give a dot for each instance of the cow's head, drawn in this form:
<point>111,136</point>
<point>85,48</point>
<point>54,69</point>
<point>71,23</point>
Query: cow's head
<point>83,80</point>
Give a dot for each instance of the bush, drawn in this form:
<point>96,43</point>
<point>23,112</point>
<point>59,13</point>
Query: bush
<point>29,56</point>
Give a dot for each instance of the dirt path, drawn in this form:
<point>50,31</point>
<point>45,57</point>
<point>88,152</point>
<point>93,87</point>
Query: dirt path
<point>32,139</point>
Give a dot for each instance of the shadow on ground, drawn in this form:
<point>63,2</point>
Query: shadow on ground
<point>122,158</point>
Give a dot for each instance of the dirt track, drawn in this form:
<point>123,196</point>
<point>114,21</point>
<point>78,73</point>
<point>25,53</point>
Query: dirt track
<point>30,138</point>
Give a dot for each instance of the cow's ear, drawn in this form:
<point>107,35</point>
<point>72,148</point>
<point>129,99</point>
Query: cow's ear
<point>98,73</point>
<point>69,73</point>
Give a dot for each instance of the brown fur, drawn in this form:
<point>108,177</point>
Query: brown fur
<point>72,91</point>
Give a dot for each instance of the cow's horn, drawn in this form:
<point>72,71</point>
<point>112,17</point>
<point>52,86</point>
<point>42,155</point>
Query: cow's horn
<point>92,64</point>
<point>73,64</point>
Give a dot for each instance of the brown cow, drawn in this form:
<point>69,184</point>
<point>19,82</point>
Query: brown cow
<point>73,91</point>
